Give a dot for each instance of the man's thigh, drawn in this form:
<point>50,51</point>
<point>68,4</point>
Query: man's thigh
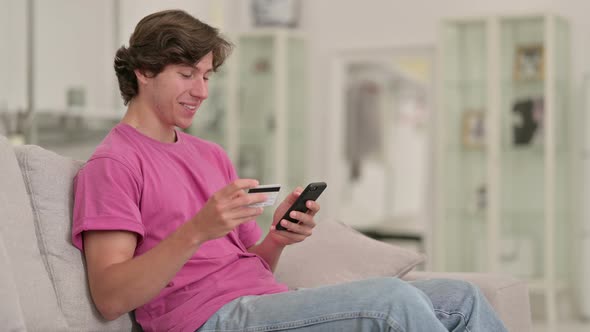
<point>372,304</point>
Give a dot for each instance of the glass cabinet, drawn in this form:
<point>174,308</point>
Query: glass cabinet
<point>504,198</point>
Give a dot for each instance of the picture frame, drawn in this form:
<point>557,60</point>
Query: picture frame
<point>473,129</point>
<point>529,62</point>
<point>276,13</point>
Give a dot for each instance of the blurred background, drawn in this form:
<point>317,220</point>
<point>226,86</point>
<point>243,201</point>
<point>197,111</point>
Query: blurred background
<point>455,128</point>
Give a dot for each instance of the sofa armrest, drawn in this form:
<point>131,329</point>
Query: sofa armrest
<point>509,296</point>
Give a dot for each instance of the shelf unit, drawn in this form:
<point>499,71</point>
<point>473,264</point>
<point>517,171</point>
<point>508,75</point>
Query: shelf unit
<point>504,155</point>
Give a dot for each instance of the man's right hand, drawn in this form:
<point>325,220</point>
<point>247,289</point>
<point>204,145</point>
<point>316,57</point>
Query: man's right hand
<point>120,282</point>
<point>227,209</point>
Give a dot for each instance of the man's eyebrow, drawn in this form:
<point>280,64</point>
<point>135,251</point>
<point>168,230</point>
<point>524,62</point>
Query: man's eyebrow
<point>196,67</point>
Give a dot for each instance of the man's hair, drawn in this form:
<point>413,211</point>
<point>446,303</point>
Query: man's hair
<point>164,38</point>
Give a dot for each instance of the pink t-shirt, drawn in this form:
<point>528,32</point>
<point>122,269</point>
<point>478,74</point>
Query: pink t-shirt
<point>138,184</point>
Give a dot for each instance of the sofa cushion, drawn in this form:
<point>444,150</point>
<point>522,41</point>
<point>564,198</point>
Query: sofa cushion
<point>336,253</point>
<point>36,294</point>
<point>11,318</point>
<point>49,182</point>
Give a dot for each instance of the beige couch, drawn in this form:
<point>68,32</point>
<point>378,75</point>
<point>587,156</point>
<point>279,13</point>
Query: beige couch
<point>43,285</point>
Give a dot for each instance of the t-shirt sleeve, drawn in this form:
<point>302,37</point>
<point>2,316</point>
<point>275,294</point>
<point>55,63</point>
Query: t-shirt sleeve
<point>248,232</point>
<point>106,197</point>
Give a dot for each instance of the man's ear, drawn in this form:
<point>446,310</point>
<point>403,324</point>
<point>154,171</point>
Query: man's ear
<point>141,76</point>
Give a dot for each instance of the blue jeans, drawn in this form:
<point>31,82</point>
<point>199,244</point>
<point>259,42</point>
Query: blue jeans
<point>380,304</point>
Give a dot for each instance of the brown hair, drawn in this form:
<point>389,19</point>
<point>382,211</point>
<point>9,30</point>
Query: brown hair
<point>163,38</point>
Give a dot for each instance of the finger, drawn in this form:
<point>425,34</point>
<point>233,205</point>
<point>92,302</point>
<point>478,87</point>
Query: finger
<point>245,200</point>
<point>305,219</point>
<point>245,212</point>
<point>313,207</point>
<point>292,197</point>
<point>292,236</point>
<point>296,228</point>
<point>238,185</point>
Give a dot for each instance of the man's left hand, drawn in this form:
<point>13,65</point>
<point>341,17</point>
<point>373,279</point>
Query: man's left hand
<point>296,232</point>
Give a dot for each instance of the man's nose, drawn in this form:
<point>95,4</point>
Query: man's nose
<point>199,89</point>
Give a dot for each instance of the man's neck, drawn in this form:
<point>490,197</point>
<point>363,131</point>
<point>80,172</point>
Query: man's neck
<point>143,119</point>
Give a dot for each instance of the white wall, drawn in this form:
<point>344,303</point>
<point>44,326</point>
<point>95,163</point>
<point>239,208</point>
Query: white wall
<point>75,43</point>
<point>13,30</point>
<point>134,10</point>
<point>75,37</point>
<point>73,47</point>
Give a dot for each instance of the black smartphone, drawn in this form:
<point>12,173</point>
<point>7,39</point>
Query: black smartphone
<point>310,193</point>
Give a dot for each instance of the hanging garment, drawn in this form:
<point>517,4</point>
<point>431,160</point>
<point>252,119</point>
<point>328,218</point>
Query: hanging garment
<point>530,113</point>
<point>363,125</point>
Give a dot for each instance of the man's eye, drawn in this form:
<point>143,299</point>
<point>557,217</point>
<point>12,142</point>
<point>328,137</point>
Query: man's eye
<point>186,75</point>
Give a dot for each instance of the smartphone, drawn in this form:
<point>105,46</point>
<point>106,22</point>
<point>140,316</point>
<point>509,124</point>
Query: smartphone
<point>310,193</point>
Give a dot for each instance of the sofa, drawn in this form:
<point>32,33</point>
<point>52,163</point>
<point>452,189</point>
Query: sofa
<point>43,283</point>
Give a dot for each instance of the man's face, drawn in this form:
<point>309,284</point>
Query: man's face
<point>177,92</point>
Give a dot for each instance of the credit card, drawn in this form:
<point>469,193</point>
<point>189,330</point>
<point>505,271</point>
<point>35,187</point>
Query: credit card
<point>270,190</point>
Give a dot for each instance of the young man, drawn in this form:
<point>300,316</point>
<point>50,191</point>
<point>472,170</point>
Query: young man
<point>165,224</point>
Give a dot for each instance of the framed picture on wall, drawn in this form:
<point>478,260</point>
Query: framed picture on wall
<point>529,62</point>
<point>285,13</point>
<point>473,129</point>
